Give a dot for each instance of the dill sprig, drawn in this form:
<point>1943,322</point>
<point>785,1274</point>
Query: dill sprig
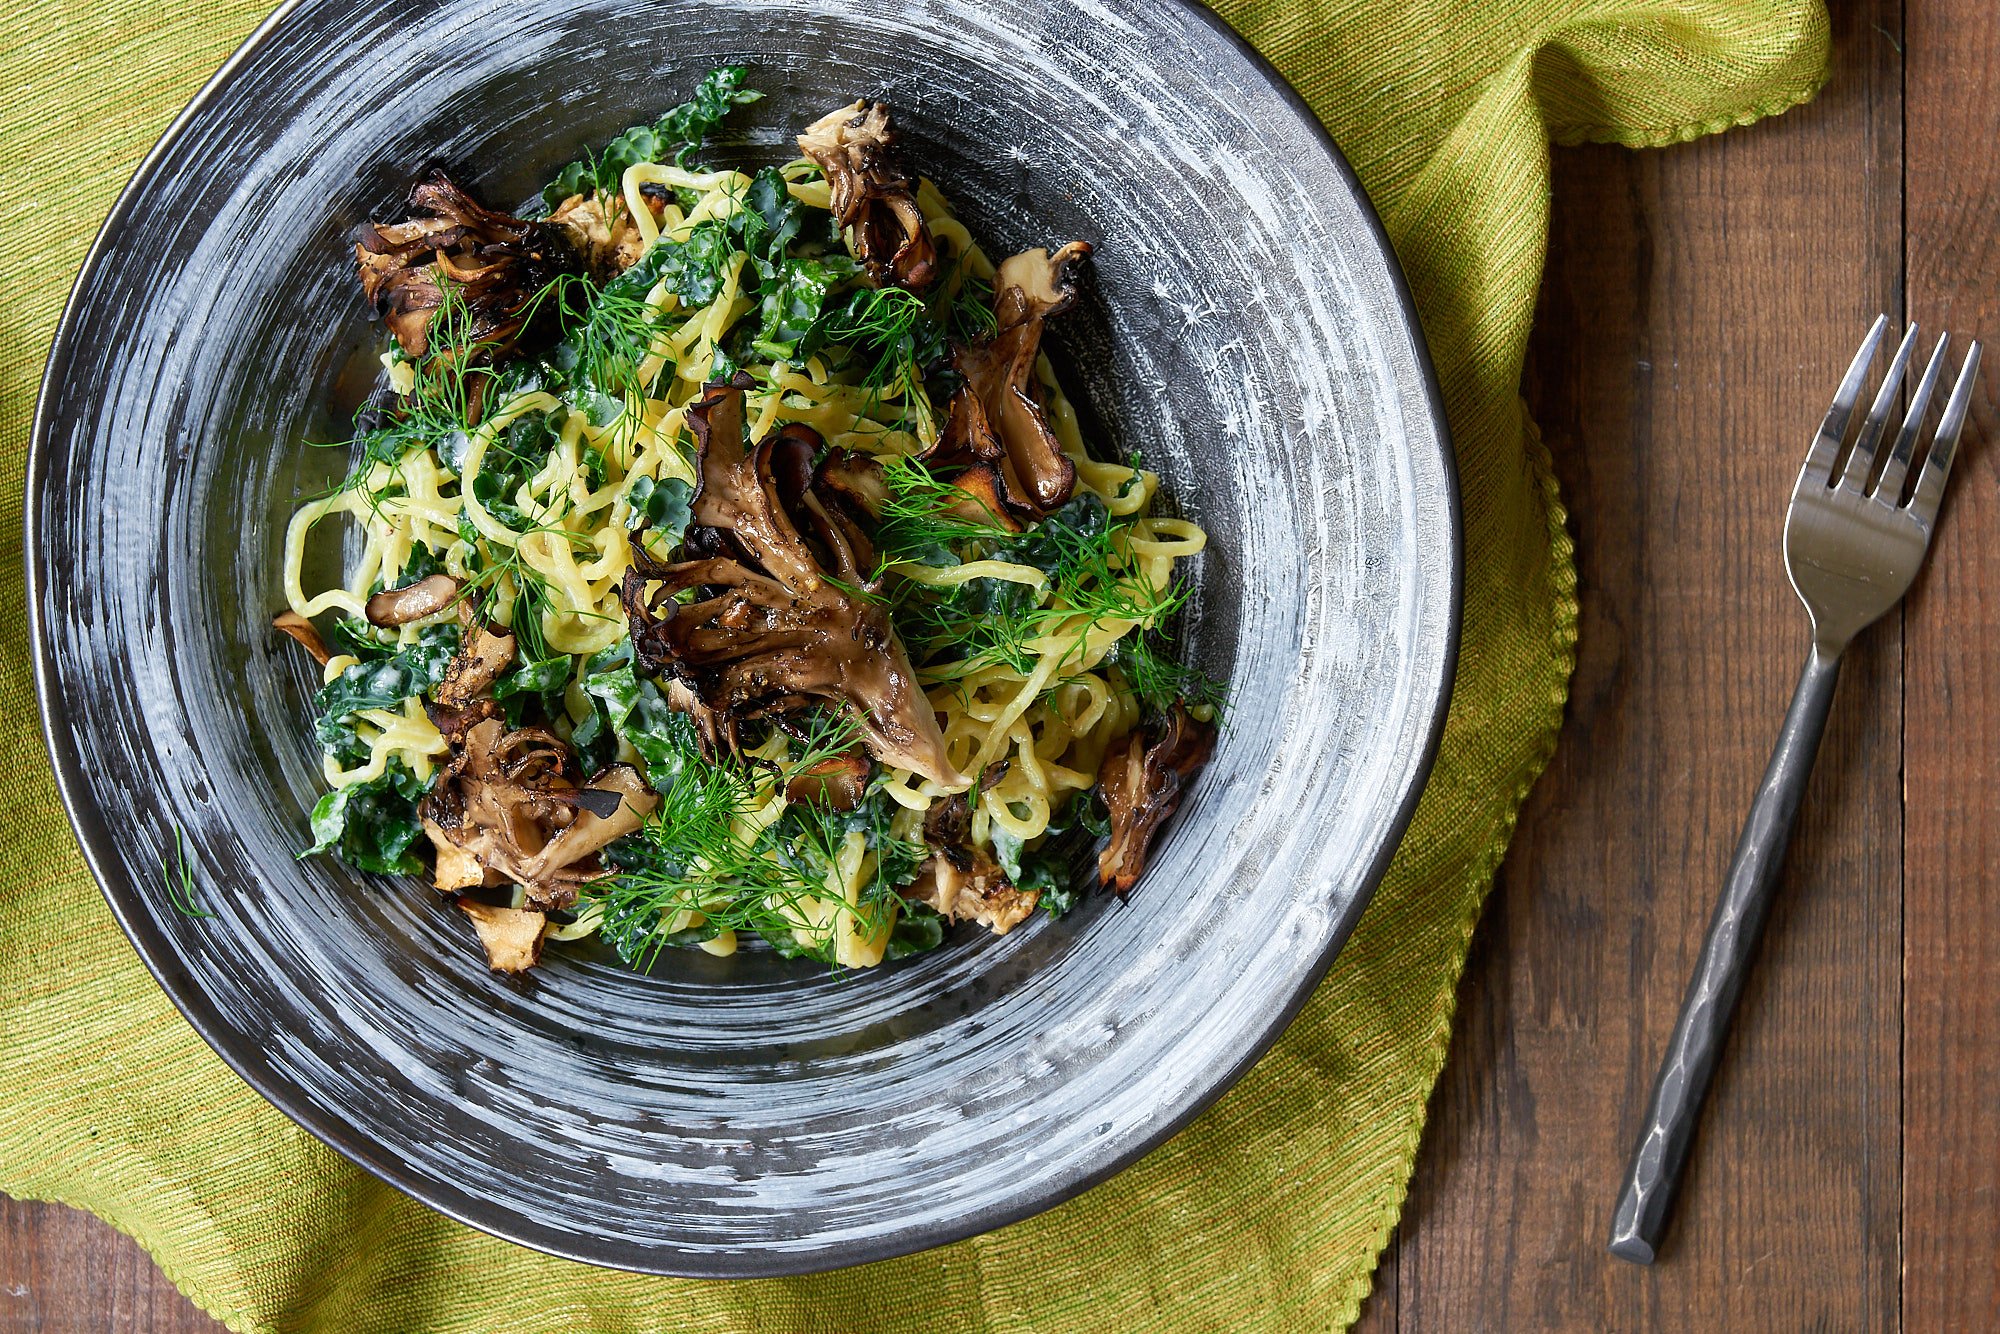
<point>969,318</point>
<point>892,324</point>
<point>180,880</point>
<point>1090,581</point>
<point>700,853</point>
<point>603,353</point>
<point>1159,679</point>
<point>447,388</point>
<point>923,518</point>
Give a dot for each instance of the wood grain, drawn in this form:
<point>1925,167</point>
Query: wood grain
<point>1951,907</point>
<point>63,1272</point>
<point>1699,305</point>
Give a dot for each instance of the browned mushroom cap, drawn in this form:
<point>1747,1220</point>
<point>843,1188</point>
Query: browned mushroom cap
<point>1142,779</point>
<point>997,421</point>
<point>948,819</point>
<point>737,490</point>
<point>412,602</point>
<point>500,266</point>
<point>453,723</point>
<point>512,936</point>
<point>987,499</point>
<point>570,856</point>
<point>508,810</point>
<point>788,616</point>
<point>948,823</point>
<point>489,652</point>
<point>837,784</point>
<point>301,630</point>
<point>856,479</point>
<point>962,882</point>
<point>977,891</point>
<point>608,241</point>
<point>855,148</point>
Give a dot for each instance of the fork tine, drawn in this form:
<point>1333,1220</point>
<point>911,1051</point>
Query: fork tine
<point>1861,461</point>
<point>1826,445</point>
<point>1890,489</point>
<point>1937,464</point>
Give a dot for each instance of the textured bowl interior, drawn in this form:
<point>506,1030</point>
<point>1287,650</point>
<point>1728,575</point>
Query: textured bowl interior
<point>1247,331</point>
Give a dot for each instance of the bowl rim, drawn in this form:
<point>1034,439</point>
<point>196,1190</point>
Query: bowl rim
<point>97,841</point>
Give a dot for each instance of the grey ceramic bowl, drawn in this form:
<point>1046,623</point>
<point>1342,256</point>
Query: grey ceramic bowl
<point>1248,330</point>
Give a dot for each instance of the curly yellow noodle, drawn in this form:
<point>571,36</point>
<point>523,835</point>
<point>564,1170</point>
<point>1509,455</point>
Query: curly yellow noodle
<point>976,569</point>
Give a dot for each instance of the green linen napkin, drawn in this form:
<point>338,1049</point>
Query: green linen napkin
<point>1268,1212</point>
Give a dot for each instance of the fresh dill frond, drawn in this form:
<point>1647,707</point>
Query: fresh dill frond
<point>1090,581</point>
<point>603,353</point>
<point>180,880</point>
<point>969,318</point>
<point>447,390</point>
<point>700,853</point>
<point>1159,679</point>
<point>924,517</point>
<point>893,326</point>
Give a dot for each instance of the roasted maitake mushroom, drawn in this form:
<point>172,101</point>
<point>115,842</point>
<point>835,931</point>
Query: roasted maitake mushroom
<point>837,783</point>
<point>787,616</point>
<point>997,433</point>
<point>964,883</point>
<point>609,243</point>
<point>1142,778</point>
<point>500,267</point>
<point>855,148</point>
<point>303,634</point>
<point>412,602</point>
<point>512,936</point>
<point>976,891</point>
<point>488,651</point>
<point>508,809</point>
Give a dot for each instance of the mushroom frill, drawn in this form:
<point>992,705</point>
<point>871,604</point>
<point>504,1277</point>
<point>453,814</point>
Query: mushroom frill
<point>604,234</point>
<point>498,267</point>
<point>962,882</point>
<point>997,443</point>
<point>1142,779</point>
<point>786,615</point>
<point>872,197</point>
<point>510,808</point>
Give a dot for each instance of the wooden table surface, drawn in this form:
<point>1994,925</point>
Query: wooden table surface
<point>1699,305</point>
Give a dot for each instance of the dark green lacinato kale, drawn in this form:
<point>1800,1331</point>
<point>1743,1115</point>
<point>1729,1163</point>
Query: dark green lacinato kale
<point>373,825</point>
<point>665,507</point>
<point>917,930</point>
<point>382,680</point>
<point>675,137</point>
<point>513,457</point>
<point>1051,879</point>
<point>630,708</point>
<point>789,277</point>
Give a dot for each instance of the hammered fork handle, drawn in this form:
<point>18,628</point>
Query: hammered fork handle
<point>1674,1111</point>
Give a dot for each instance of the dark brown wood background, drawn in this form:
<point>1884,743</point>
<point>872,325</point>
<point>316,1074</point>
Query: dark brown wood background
<point>1699,305</point>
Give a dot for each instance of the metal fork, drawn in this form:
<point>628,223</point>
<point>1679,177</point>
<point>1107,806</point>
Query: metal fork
<point>1851,550</point>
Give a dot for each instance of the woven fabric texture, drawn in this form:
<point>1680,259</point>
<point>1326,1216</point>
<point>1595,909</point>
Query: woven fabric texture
<point>1269,1212</point>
